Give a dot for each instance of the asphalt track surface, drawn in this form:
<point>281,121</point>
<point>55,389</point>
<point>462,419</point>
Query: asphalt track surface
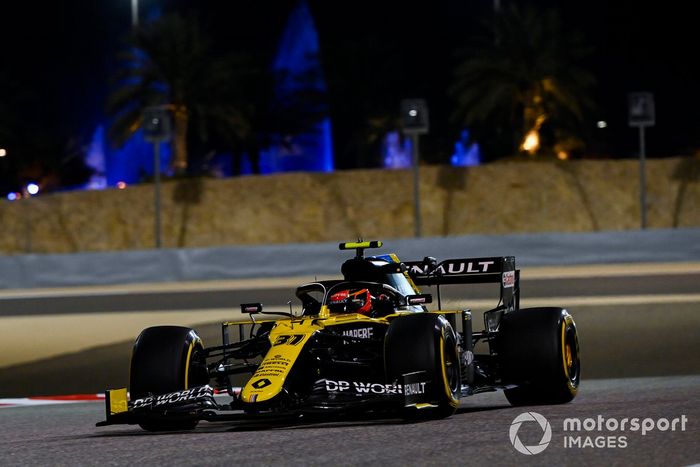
<point>478,434</point>
<point>640,328</point>
<point>632,322</point>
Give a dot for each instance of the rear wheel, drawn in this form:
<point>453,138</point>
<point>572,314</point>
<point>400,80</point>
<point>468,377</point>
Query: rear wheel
<point>539,352</point>
<point>425,342</point>
<point>167,359</point>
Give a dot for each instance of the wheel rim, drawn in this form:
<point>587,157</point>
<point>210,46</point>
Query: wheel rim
<point>450,370</point>
<point>570,355</point>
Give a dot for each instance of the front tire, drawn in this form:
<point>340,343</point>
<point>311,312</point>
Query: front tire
<point>166,359</point>
<point>539,351</point>
<point>425,342</point>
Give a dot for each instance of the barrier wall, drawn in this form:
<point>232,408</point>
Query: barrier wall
<point>502,198</point>
<point>166,265</point>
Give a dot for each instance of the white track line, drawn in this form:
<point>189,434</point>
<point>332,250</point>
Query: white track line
<point>50,400</point>
<point>26,402</point>
<point>158,287</point>
<point>604,300</point>
<point>8,403</point>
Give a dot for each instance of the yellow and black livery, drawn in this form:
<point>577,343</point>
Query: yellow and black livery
<point>364,342</point>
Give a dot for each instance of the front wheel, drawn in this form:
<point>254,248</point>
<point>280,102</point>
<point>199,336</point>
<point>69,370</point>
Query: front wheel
<point>539,352</point>
<point>167,359</point>
<point>425,342</point>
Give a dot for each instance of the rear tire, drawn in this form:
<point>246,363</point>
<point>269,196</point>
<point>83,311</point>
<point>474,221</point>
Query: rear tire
<point>539,351</point>
<point>425,342</point>
<point>167,359</point>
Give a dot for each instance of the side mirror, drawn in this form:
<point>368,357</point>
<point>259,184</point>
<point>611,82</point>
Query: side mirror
<point>421,299</point>
<point>251,308</point>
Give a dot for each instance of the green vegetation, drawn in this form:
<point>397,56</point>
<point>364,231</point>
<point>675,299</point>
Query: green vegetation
<point>172,65</point>
<point>523,75</point>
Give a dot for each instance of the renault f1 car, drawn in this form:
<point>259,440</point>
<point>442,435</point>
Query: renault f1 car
<point>364,343</point>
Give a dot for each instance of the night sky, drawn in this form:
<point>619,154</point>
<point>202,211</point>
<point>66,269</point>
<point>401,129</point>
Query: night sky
<point>57,57</point>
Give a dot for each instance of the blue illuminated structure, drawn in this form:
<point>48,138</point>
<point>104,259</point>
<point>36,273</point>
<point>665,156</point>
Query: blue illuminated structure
<point>133,162</point>
<point>96,159</point>
<point>467,152</point>
<point>396,151</point>
<point>298,56</point>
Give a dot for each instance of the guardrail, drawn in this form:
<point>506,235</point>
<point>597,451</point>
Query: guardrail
<point>259,261</point>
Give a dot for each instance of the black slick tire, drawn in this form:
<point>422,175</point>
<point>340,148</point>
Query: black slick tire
<point>539,353</point>
<point>166,359</point>
<point>425,342</point>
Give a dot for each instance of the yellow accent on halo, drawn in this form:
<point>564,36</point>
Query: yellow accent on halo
<point>117,401</point>
<point>406,274</point>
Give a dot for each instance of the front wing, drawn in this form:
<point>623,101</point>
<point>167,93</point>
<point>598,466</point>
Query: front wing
<point>201,403</point>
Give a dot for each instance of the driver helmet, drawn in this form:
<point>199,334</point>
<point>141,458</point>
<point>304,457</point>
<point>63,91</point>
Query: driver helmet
<point>347,301</point>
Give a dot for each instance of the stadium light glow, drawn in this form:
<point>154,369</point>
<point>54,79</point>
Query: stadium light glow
<point>531,143</point>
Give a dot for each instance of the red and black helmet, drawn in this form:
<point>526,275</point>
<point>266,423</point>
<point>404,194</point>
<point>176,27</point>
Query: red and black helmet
<point>359,301</point>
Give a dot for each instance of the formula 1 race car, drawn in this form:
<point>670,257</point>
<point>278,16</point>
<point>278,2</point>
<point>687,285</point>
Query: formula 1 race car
<point>363,343</point>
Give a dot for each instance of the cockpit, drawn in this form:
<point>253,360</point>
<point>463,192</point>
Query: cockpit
<point>372,299</point>
<point>374,286</point>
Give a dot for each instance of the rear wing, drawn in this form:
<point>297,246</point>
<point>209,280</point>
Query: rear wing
<point>497,269</point>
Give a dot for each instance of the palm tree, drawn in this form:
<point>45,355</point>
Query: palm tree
<point>523,76</point>
<point>171,63</point>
